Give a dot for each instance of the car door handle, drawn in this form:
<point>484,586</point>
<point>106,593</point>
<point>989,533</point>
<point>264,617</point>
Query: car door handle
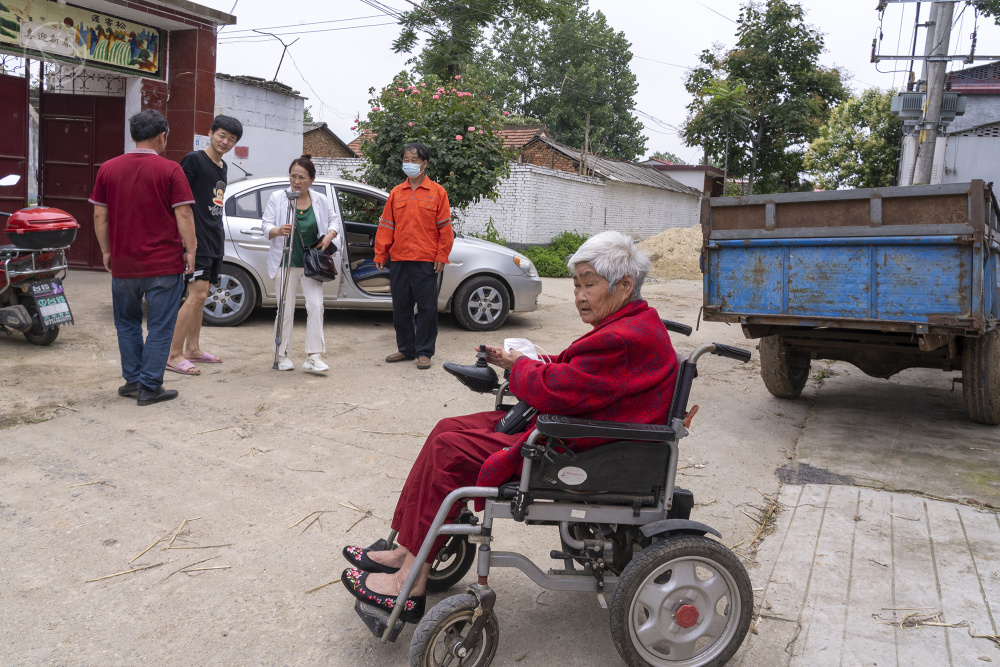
<point>253,230</point>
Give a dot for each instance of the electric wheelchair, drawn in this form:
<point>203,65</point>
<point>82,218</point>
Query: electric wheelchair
<point>677,597</point>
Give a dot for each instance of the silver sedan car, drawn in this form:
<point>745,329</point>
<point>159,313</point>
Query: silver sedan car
<point>482,283</point>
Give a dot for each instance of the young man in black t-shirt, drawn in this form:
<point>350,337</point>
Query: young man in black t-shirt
<point>207,174</point>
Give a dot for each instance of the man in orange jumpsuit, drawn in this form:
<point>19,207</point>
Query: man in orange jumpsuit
<point>415,233</point>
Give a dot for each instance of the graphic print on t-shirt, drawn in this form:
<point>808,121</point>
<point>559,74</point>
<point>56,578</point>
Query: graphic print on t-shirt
<point>217,194</point>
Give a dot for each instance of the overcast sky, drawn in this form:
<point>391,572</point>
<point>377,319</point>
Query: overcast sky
<point>336,63</point>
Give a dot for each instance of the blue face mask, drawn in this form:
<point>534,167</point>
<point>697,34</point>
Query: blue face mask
<point>411,170</point>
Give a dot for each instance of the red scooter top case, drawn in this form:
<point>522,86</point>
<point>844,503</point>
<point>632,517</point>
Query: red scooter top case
<point>39,227</point>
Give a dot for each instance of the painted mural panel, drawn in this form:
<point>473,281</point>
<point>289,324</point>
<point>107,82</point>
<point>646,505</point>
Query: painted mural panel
<point>44,29</point>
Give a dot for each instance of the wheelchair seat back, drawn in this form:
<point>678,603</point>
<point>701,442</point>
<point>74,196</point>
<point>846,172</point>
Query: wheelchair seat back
<point>625,467</point>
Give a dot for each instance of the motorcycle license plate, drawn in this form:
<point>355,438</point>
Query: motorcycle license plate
<point>50,297</point>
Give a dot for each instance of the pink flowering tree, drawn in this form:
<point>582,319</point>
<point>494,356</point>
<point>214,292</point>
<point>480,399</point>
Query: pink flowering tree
<point>459,127</point>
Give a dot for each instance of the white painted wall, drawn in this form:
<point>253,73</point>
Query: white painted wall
<point>537,203</point>
<point>272,127</point>
<point>692,179</point>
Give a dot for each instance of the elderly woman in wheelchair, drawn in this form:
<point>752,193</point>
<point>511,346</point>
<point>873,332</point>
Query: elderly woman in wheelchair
<point>611,502</point>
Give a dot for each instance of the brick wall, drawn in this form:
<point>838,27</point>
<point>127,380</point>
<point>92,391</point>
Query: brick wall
<point>335,167</point>
<point>536,203</point>
<point>545,156</point>
<point>319,143</point>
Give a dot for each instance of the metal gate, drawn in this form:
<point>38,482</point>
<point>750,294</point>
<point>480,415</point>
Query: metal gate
<point>77,133</point>
<point>14,137</point>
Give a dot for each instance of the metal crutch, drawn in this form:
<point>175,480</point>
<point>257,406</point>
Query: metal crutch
<point>286,257</point>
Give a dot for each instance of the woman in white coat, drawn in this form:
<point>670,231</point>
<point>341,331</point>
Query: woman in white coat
<point>316,220</point>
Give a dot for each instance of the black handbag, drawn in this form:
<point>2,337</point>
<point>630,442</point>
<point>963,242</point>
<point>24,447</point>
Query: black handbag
<point>318,264</point>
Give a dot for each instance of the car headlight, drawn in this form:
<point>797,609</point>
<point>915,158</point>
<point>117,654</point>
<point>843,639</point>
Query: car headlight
<point>525,265</point>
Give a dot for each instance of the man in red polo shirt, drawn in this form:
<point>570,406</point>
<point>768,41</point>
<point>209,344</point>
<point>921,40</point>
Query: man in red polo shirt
<point>143,222</point>
<point>415,233</point>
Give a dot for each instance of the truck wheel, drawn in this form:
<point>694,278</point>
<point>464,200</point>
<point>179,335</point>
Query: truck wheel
<point>981,377</point>
<point>784,374</point>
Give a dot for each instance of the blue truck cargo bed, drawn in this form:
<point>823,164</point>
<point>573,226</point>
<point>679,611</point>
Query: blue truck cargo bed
<point>885,278</point>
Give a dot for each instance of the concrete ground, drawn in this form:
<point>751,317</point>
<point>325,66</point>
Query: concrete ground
<point>88,481</point>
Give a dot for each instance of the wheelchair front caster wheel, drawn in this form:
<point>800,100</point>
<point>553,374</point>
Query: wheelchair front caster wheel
<point>444,626</point>
<point>451,564</point>
<point>684,602</point>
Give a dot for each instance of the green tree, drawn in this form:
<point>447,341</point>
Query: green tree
<point>563,70</point>
<point>307,116</point>
<point>459,127</point>
<point>989,8</point>
<point>858,147</point>
<point>724,106</point>
<point>453,31</point>
<point>788,96</point>
<point>666,156</point>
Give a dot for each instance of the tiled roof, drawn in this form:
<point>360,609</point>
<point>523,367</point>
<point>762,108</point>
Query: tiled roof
<point>310,127</point>
<point>670,166</point>
<point>980,79</point>
<point>356,144</point>
<point>621,170</point>
<point>515,136</point>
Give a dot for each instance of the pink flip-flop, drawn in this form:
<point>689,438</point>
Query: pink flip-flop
<point>206,358</point>
<point>184,368</point>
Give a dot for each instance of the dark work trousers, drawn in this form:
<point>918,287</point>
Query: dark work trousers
<point>414,283</point>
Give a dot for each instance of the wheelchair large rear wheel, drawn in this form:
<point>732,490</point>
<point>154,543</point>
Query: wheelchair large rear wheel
<point>446,624</point>
<point>683,602</point>
<point>451,564</point>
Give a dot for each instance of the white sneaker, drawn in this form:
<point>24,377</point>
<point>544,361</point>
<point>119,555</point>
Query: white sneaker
<point>315,363</point>
<point>285,364</point>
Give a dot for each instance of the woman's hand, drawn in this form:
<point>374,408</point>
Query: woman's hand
<point>284,230</point>
<point>325,240</point>
<point>498,357</point>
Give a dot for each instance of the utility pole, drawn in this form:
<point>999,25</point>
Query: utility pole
<point>936,70</point>
<point>583,153</point>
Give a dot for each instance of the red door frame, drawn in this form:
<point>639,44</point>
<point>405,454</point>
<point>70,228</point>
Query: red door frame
<point>14,94</point>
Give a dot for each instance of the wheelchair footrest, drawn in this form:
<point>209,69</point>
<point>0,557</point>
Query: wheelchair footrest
<point>377,619</point>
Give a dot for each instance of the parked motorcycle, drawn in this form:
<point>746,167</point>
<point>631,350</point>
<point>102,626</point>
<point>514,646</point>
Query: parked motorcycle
<point>32,298</point>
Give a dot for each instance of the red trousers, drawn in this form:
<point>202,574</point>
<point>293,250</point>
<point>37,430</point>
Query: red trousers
<point>450,459</point>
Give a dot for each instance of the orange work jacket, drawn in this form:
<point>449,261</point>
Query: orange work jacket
<point>415,225</point>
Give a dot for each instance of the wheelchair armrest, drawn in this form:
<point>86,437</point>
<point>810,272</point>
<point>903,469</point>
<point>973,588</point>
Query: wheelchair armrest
<point>557,426</point>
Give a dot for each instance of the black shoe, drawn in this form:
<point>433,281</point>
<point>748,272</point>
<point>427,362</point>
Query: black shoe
<point>129,389</point>
<point>149,396</point>
<point>358,557</point>
<point>354,580</point>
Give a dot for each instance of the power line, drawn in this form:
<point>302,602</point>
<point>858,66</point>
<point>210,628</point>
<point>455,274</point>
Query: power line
<point>237,39</point>
<point>307,23</point>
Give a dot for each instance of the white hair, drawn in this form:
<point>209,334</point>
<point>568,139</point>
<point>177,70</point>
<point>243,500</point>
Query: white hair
<point>613,256</point>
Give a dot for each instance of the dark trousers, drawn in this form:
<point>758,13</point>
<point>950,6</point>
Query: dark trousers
<point>145,361</point>
<point>414,283</point>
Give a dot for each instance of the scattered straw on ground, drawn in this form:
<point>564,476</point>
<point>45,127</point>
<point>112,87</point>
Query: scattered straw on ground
<point>675,253</point>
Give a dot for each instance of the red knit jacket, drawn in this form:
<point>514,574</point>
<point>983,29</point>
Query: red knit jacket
<point>623,370</point>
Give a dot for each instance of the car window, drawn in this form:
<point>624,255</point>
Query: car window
<point>244,206</point>
<point>360,206</point>
<point>265,194</point>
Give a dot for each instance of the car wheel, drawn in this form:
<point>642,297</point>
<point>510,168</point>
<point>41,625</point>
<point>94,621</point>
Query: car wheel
<point>232,299</point>
<point>481,303</point>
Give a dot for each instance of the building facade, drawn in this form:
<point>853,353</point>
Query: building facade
<point>74,73</point>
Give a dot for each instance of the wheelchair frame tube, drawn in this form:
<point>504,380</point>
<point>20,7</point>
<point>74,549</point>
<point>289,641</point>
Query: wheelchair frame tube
<point>425,548</point>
